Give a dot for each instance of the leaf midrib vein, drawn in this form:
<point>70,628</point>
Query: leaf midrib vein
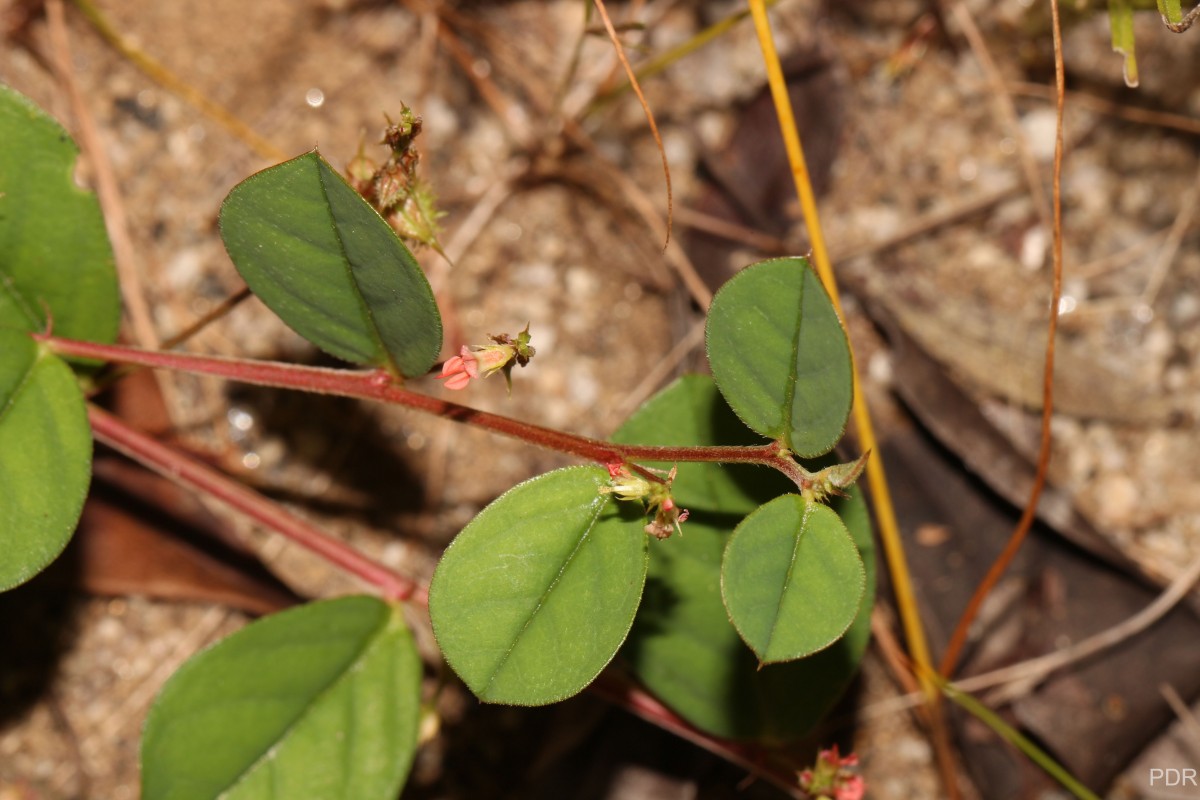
<point>789,390</point>
<point>373,327</point>
<point>787,578</point>
<point>369,643</point>
<point>600,506</point>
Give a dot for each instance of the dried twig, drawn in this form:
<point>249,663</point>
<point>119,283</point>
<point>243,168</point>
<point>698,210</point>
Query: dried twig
<point>1143,116</point>
<point>637,89</point>
<point>1007,111</point>
<point>1162,263</point>
<point>1024,676</point>
<point>107,190</point>
<point>1191,725</point>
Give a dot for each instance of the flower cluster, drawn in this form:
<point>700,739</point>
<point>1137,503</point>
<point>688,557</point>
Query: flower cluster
<point>656,495</point>
<point>480,361</point>
<point>395,190</point>
<point>833,777</point>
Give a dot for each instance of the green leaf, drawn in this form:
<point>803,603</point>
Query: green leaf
<point>322,259</point>
<point>682,646</point>
<point>45,457</point>
<point>54,251</point>
<point>533,598</point>
<point>319,702</point>
<point>686,652</point>
<point>780,356</point>
<point>792,579</point>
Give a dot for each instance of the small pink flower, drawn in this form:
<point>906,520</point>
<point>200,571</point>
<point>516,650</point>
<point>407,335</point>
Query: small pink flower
<point>480,361</point>
<point>851,788</point>
<point>832,757</point>
<point>833,777</point>
<point>667,516</point>
<point>458,371</point>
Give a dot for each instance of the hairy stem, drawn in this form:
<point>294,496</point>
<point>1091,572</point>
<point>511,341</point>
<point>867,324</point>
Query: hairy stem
<point>378,386</point>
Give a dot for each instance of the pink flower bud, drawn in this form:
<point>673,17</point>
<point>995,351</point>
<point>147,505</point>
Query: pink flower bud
<point>493,357</point>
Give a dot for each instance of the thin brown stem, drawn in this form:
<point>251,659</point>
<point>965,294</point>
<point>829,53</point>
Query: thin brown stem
<point>958,640</point>
<point>637,89</point>
<point>107,187</point>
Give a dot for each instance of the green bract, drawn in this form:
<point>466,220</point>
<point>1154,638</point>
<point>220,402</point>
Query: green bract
<point>533,598</point>
<point>320,702</point>
<point>322,259</point>
<point>780,357</point>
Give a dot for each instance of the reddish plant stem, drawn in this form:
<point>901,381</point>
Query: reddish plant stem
<point>380,387</point>
<point>195,475</point>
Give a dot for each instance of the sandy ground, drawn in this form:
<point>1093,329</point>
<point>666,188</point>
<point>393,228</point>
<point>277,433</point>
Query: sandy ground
<point>925,134</point>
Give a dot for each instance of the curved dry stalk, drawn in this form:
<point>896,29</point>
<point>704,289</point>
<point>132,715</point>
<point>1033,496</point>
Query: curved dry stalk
<point>107,191</point>
<point>637,89</point>
<point>632,194</point>
<point>1143,116</point>
<point>1007,111</point>
<point>680,51</point>
<point>1166,255</point>
<point>959,638</point>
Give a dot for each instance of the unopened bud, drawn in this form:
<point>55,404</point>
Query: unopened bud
<point>835,479</point>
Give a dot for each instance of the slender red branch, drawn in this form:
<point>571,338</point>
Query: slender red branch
<point>195,475</point>
<point>379,386</point>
